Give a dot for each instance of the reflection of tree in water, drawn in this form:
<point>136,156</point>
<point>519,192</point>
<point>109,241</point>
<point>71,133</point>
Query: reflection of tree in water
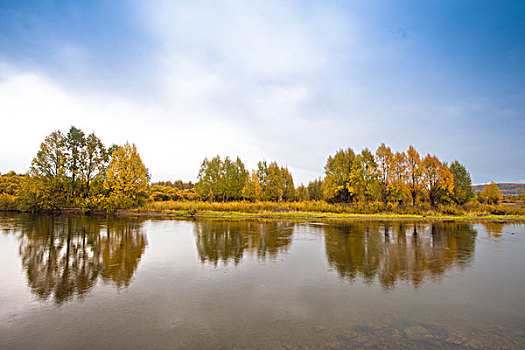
<point>494,229</point>
<point>64,256</point>
<point>121,248</point>
<point>398,251</point>
<point>228,240</point>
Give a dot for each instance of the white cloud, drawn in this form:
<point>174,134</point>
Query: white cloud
<point>172,142</point>
<point>235,79</point>
<point>264,39</point>
<point>262,80</point>
<point>256,65</point>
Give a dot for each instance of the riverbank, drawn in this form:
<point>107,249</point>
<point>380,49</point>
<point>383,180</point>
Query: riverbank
<point>301,211</point>
<point>309,216</point>
<point>315,210</point>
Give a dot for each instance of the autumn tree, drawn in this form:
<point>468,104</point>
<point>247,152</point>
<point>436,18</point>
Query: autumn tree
<point>355,184</point>
<point>491,194</point>
<point>252,190</point>
<point>163,193</point>
<point>289,187</point>
<point>73,170</point>
<point>414,174</point>
<point>463,191</point>
<point>302,193</point>
<point>112,149</point>
<point>336,183</point>
<point>438,180</point>
<point>384,162</point>
<point>397,188</point>
<point>126,178</point>
<point>11,183</point>
<point>11,188</point>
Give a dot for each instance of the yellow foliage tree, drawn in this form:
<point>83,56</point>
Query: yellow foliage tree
<point>414,174</point>
<point>438,180</point>
<point>336,183</point>
<point>302,193</point>
<point>252,188</point>
<point>491,194</point>
<point>384,161</point>
<point>126,178</point>
<point>289,188</point>
<point>397,187</point>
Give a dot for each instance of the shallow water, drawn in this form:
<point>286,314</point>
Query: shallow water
<point>81,283</point>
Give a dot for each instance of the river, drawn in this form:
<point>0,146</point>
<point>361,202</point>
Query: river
<point>71,282</point>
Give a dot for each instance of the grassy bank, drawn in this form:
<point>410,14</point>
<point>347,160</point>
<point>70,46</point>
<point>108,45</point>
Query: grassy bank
<point>313,210</point>
<point>308,210</point>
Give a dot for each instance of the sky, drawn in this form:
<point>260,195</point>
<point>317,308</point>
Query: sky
<point>290,81</point>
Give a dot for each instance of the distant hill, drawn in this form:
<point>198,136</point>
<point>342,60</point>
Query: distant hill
<point>506,189</point>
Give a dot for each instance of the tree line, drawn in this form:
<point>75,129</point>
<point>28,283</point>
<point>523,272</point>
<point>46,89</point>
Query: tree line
<point>402,178</point>
<point>226,180</point>
<point>77,170</point>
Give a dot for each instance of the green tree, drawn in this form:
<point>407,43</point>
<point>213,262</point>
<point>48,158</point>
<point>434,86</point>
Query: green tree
<point>370,175</point>
<point>363,182</point>
<point>47,186</point>
<point>271,180</point>
<point>235,178</point>
<point>209,185</point>
<point>275,183</point>
<point>126,178</point>
<point>94,160</point>
<point>463,191</point>
<point>75,143</point>
<point>315,189</point>
<point>51,158</point>
<point>221,180</point>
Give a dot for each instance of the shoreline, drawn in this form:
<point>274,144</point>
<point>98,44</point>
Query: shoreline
<point>295,216</point>
<point>311,216</point>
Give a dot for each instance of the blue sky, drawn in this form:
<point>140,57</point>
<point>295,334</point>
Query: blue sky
<point>288,81</point>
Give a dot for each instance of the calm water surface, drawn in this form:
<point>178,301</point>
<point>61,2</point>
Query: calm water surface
<point>83,283</point>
